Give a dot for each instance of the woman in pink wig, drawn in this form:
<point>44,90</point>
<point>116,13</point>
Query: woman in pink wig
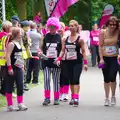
<point>51,48</point>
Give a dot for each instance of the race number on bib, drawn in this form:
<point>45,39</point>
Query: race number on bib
<point>110,50</point>
<point>19,63</point>
<point>95,39</point>
<point>51,53</point>
<point>71,56</point>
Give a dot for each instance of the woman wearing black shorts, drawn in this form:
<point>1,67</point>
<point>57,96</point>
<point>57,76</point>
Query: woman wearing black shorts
<point>74,59</point>
<point>108,58</point>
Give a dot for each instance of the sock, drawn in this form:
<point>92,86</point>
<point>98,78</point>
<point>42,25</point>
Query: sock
<point>20,99</point>
<point>47,94</point>
<point>9,99</point>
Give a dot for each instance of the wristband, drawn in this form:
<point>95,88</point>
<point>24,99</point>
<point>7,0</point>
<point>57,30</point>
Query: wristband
<point>36,57</point>
<point>9,67</point>
<point>119,61</point>
<point>59,59</point>
<point>85,62</point>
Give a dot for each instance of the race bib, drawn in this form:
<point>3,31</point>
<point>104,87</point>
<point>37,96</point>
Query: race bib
<point>96,39</point>
<point>71,56</point>
<point>51,54</point>
<point>19,63</point>
<point>110,50</point>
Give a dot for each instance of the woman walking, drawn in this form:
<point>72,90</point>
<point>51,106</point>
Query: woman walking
<point>73,44</point>
<point>108,58</point>
<point>51,48</point>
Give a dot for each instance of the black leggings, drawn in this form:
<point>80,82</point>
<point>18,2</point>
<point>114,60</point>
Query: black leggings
<point>110,69</point>
<point>18,77</point>
<point>64,80</point>
<point>74,69</point>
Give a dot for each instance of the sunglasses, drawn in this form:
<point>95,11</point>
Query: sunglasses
<point>112,24</point>
<point>51,26</point>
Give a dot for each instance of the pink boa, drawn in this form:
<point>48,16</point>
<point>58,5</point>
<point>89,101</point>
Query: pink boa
<point>53,21</point>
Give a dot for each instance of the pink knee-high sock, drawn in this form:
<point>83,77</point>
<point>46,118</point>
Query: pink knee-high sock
<point>47,94</point>
<point>66,89</point>
<point>20,99</point>
<point>56,95</point>
<point>61,90</point>
<point>76,96</point>
<point>9,99</point>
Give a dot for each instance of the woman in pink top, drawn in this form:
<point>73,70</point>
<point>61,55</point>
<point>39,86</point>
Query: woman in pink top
<point>38,18</point>
<point>94,35</point>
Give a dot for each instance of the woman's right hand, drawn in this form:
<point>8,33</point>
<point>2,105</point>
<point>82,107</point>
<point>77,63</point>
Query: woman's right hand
<point>101,61</point>
<point>11,72</point>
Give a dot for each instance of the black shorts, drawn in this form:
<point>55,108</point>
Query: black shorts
<point>74,69</point>
<point>110,69</point>
<point>64,80</point>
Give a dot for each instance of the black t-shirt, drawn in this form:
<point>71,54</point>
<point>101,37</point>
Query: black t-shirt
<point>73,51</point>
<point>51,48</point>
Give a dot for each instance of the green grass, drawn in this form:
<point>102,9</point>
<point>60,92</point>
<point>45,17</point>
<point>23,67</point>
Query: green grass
<point>3,100</point>
<point>41,81</point>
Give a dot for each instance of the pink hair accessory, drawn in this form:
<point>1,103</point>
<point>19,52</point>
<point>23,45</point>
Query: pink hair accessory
<point>53,21</point>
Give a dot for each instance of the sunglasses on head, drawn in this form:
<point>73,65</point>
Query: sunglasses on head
<point>112,24</point>
<point>51,26</point>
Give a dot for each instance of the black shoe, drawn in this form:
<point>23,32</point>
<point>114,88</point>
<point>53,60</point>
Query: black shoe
<point>46,102</point>
<point>71,102</point>
<point>36,83</point>
<point>26,88</point>
<point>76,102</point>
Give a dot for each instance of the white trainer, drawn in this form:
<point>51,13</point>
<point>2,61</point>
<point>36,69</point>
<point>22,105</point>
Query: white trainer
<point>66,97</point>
<point>61,97</point>
<point>22,107</point>
<point>11,109</point>
<point>113,101</point>
<point>107,102</point>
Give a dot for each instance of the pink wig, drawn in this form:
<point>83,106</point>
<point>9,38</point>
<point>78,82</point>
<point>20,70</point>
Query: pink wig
<point>53,21</point>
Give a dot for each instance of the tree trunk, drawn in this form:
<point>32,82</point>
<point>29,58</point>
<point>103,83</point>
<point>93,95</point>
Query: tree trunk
<point>21,6</point>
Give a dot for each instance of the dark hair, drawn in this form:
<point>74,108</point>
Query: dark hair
<point>111,19</point>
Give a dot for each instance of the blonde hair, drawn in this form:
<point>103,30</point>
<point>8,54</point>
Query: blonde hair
<point>75,23</point>
<point>15,31</point>
<point>5,25</point>
<point>62,25</point>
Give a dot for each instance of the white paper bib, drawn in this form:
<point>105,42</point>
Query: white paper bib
<point>19,63</point>
<point>71,55</point>
<point>96,39</point>
<point>110,50</point>
<point>52,53</point>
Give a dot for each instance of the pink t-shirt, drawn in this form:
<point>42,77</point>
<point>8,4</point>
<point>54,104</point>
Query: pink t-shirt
<point>94,35</point>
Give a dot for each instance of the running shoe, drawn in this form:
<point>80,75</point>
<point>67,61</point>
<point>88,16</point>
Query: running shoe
<point>71,102</point>
<point>22,107</point>
<point>56,102</point>
<point>66,97</point>
<point>46,102</point>
<point>113,101</point>
<point>61,97</point>
<point>11,108</point>
<point>76,102</point>
<point>107,102</point>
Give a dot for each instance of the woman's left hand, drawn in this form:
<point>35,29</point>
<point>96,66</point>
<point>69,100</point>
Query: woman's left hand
<point>85,67</point>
